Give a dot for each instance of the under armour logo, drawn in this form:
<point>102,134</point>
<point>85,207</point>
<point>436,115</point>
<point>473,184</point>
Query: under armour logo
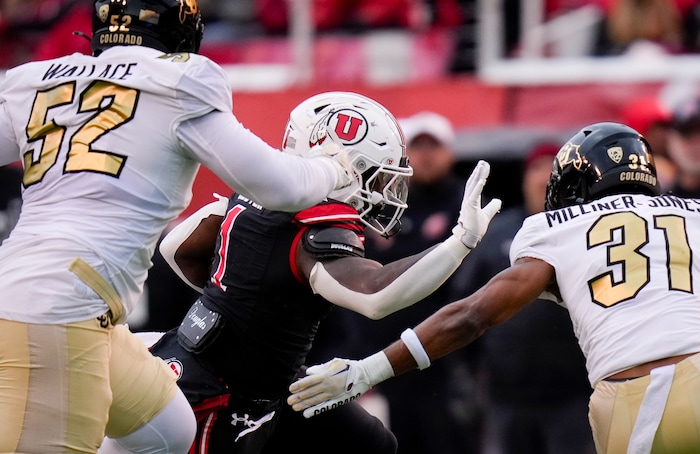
<point>249,424</point>
<point>244,420</point>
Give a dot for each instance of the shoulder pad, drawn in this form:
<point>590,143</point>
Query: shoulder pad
<point>327,242</point>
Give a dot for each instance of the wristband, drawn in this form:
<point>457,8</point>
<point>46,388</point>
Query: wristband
<point>416,349</point>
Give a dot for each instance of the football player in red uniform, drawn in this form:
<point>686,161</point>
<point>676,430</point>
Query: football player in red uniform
<point>268,278</point>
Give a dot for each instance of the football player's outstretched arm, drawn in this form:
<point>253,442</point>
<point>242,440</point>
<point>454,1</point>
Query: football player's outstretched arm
<point>453,326</point>
<point>277,181</point>
<point>373,290</point>
<point>461,322</point>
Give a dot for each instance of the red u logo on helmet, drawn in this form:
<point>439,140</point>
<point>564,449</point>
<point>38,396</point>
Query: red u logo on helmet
<point>347,127</point>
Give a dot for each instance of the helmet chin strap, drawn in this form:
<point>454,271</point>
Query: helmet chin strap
<point>84,35</point>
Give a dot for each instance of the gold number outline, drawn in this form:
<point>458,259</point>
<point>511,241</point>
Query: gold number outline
<point>113,105</point>
<point>635,266</point>
<point>176,57</point>
<point>115,26</point>
<point>48,132</point>
<point>679,256</point>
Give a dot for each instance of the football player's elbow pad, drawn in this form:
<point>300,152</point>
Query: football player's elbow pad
<point>417,282</point>
<point>172,241</point>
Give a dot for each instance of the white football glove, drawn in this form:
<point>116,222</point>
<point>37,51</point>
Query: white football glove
<point>337,382</point>
<point>473,219</point>
<point>340,157</point>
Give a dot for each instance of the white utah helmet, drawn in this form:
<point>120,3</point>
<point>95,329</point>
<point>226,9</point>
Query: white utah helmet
<point>377,152</point>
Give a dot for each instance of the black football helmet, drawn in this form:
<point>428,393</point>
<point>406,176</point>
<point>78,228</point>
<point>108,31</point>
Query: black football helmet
<point>601,159</point>
<point>165,25</point>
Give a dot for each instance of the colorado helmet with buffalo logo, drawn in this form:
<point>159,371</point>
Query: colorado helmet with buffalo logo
<point>601,159</point>
<point>377,151</point>
<point>166,25</point>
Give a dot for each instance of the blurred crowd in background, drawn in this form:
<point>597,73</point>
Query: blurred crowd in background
<point>40,29</point>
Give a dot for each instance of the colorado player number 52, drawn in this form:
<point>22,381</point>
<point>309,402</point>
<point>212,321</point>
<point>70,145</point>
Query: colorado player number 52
<point>112,105</point>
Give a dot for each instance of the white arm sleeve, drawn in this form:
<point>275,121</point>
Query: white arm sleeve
<point>417,282</point>
<point>172,241</point>
<point>276,180</point>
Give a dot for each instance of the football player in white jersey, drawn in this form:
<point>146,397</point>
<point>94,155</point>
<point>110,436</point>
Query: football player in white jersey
<point>622,259</point>
<point>110,145</point>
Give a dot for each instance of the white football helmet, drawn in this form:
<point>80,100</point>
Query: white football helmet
<point>377,152</point>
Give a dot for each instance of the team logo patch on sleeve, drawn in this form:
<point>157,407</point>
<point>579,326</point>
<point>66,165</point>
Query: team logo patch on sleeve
<point>175,365</point>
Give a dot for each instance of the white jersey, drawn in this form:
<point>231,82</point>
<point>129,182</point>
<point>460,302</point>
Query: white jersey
<point>628,269</point>
<point>110,147</point>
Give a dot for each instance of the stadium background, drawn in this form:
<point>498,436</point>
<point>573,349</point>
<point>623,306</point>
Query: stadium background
<point>507,73</point>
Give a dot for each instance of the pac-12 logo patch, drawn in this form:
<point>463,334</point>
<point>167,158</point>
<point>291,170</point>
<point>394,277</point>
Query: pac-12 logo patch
<point>103,12</point>
<point>345,126</point>
<point>175,365</point>
<point>615,153</point>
